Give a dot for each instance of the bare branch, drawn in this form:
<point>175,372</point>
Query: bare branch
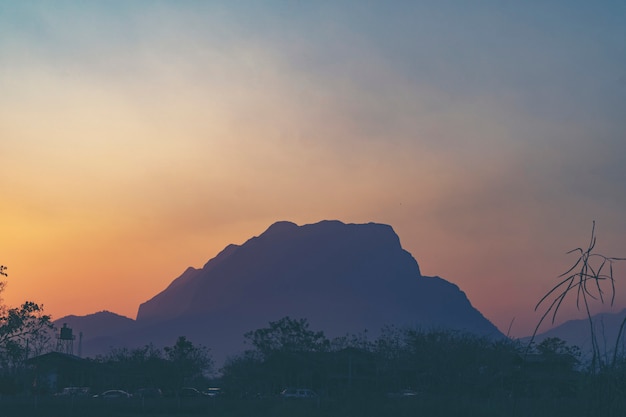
<point>588,277</point>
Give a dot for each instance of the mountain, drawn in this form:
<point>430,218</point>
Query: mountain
<point>578,332</point>
<point>344,278</point>
<point>96,333</point>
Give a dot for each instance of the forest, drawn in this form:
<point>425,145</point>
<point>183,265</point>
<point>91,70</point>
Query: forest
<point>403,371</point>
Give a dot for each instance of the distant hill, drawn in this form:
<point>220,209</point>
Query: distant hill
<point>100,331</point>
<point>577,332</point>
<point>341,277</point>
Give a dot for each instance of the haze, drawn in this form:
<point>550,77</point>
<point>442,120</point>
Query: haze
<point>139,138</point>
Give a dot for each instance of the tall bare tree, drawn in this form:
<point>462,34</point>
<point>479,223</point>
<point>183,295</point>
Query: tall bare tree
<point>590,279</point>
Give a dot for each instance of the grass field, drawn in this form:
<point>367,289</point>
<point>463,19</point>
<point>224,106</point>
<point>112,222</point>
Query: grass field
<point>273,407</point>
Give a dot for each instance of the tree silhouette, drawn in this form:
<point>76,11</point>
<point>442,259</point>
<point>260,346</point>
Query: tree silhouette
<point>21,329</point>
<point>19,326</point>
<point>287,335</point>
<point>143,367</point>
<point>286,353</point>
<point>188,361</point>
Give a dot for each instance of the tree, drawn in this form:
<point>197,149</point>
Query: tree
<point>142,367</point>
<point>557,346</point>
<point>286,353</point>
<point>559,354</point>
<point>2,283</point>
<point>20,328</point>
<point>287,335</point>
<point>188,362</point>
<point>244,374</point>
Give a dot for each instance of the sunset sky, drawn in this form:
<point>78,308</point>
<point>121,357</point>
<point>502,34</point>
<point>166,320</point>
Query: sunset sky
<point>140,138</point>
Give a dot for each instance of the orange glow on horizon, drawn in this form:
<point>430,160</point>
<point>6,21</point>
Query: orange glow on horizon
<point>140,139</point>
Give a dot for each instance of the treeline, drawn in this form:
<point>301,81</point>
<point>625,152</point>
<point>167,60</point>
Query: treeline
<point>169,369</point>
<point>287,353</point>
<point>400,361</point>
<point>403,370</point>
<point>440,372</point>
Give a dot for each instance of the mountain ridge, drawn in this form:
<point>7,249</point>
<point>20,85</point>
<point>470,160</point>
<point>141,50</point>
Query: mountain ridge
<point>577,332</point>
<point>343,278</point>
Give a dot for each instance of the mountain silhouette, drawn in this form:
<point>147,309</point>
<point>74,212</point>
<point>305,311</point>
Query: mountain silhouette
<point>343,278</point>
<point>606,327</point>
<point>101,331</point>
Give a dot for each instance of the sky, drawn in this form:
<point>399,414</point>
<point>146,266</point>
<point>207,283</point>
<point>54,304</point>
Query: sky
<point>140,138</point>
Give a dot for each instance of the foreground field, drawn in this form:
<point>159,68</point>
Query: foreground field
<point>274,407</point>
